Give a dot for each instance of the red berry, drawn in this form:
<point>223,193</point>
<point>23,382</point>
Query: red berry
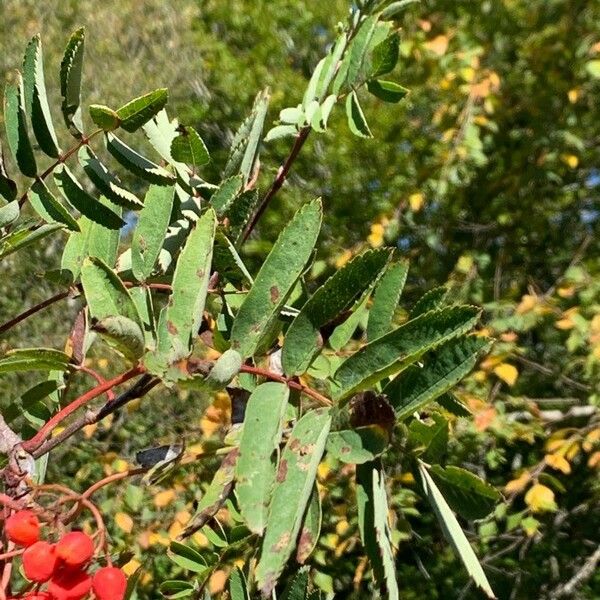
<point>39,561</point>
<point>109,583</point>
<point>23,528</point>
<point>68,584</point>
<point>75,548</point>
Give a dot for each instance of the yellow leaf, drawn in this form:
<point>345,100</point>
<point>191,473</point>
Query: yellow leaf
<point>573,95</point>
<point>175,529</point>
<point>341,527</point>
<point>564,324</point>
<point>566,291</point>
<point>517,485</point>
<point>416,201</point>
<point>528,303</point>
<point>540,498</point>
<point>131,567</point>
<point>591,439</point>
<point>507,372</point>
<point>573,451</point>
<point>467,73</point>
<point>164,498</point>
<point>343,258</point>
<point>438,45</point>
<point>159,538</point>
<point>124,522</point>
<point>509,336</point>
<point>570,160</point>
<point>594,460</point>
<point>88,430</point>
<point>103,363</point>
<point>375,238</point>
<point>217,582</point>
<point>558,462</point>
<point>464,264</point>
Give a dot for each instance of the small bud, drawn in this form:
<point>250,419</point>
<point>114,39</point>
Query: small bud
<point>23,528</point>
<point>75,548</point>
<point>39,561</point>
<point>109,583</point>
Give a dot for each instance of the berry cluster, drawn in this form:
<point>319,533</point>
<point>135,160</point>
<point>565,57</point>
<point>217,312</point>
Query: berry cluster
<point>62,567</point>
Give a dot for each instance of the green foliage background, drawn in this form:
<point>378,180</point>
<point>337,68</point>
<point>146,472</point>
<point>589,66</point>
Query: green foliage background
<point>487,177</point>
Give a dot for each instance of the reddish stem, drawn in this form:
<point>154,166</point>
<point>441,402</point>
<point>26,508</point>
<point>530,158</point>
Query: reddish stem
<point>110,395</point>
<point>31,311</point>
<point>289,382</point>
<point>34,443</point>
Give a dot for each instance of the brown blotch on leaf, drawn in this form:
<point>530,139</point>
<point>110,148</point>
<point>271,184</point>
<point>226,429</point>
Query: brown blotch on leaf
<point>274,294</point>
<point>171,328</point>
<point>282,471</point>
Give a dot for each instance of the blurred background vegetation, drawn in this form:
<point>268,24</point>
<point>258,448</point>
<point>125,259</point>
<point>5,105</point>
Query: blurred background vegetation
<point>487,177</point>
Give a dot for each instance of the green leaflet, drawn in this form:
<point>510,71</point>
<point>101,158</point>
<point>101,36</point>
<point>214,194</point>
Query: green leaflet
<point>188,147</point>
<point>105,182</point>
<point>297,588</point>
<point>385,55</point>
<point>187,558</point>
<point>239,213</point>
<point>280,131</point>
<point>394,9</point>
<point>311,527</point>
<point>9,213</point>
<point>123,335</point>
<point>402,346</point>
<point>34,359</point>
<point>388,91</point>
<point>430,300</point>
<point>257,464</point>
<point>151,229</point>
<point>385,300</point>
<point>85,203</point>
<point>238,589</point>
<point>142,298</point>
<point>429,439</point>
<point>15,121</point>
<point>294,483</point>
<point>103,116</point>
<point>36,100</point>
<point>105,293</point>
<point>227,261</point>
<point>190,283</point>
<point>417,386</point>
<point>44,203</point>
<point>245,144</point>
<point>303,339</point>
<point>70,82</point>
<point>371,499</point>
<point>226,367</point>
<point>311,92</point>
<point>359,445</point>
<point>342,333</point>
<point>160,133</point>
<point>225,195</point>
<point>353,63</point>
<point>466,493</point>
<point>92,240</point>
<point>26,236</point>
<point>8,188</point>
<point>276,279</point>
<point>356,118</point>
<point>29,399</point>
<point>136,163</point>
<point>139,111</point>
<point>214,496</point>
<point>329,70</point>
<point>453,532</point>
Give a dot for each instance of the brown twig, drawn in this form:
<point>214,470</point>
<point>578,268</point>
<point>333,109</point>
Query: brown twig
<point>139,389</point>
<point>323,400</point>
<point>31,311</point>
<point>279,180</point>
<point>36,441</point>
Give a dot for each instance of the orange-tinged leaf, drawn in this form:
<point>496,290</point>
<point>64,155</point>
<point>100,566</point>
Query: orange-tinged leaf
<point>527,304</point>
<point>484,418</point>
<point>558,462</point>
<point>518,485</point>
<point>540,498</point>
<point>507,372</point>
<point>217,582</point>
<point>131,567</point>
<point>594,460</point>
<point>343,258</point>
<point>164,498</point>
<point>375,238</point>
<point>438,45</point>
<point>124,522</point>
